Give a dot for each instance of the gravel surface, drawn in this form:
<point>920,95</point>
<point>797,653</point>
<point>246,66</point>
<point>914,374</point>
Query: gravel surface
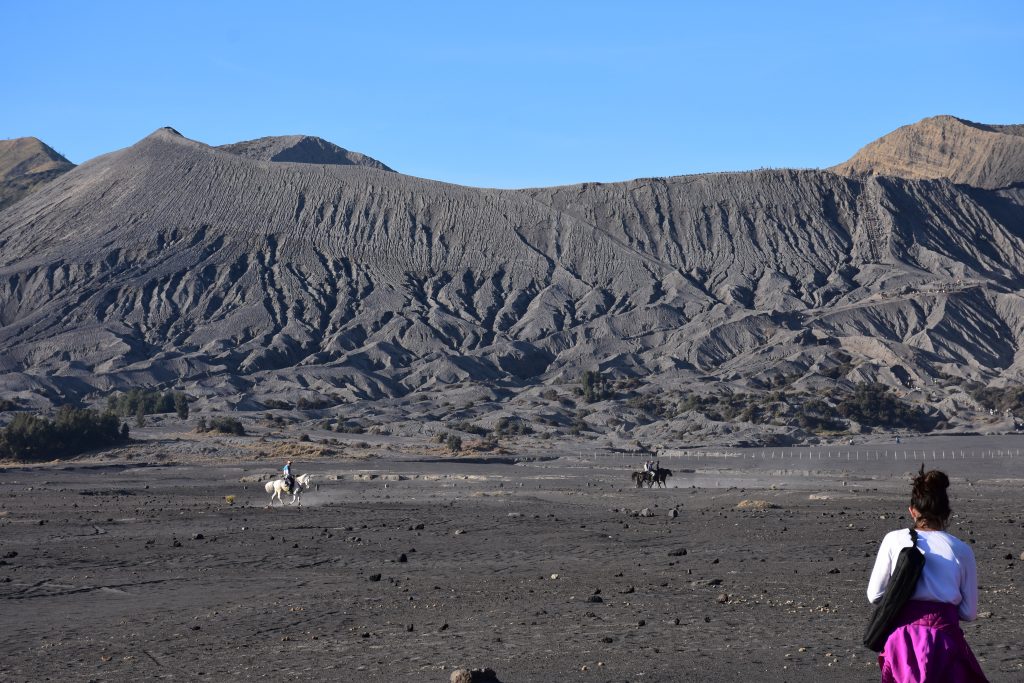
<point>405,569</point>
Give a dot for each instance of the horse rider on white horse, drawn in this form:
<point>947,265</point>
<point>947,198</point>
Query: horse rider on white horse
<point>289,478</point>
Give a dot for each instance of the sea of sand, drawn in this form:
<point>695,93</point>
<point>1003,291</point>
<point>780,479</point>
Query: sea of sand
<point>403,562</point>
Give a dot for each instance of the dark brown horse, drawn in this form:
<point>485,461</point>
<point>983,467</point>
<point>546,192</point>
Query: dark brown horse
<point>643,477</point>
<point>661,476</point>
<point>658,477</point>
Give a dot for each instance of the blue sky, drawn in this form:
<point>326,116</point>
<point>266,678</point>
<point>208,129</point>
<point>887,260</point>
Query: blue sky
<point>512,94</point>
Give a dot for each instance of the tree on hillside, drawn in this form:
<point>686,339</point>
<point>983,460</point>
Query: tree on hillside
<point>594,386</point>
<point>181,406</point>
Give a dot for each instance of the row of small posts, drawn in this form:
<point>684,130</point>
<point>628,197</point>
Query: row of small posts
<point>854,455</point>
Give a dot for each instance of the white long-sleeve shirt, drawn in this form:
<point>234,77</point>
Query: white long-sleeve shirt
<point>949,575</point>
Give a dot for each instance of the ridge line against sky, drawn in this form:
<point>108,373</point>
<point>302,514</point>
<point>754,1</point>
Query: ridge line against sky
<point>513,96</point>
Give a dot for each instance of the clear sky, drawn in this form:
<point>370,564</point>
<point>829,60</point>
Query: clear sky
<point>512,94</point>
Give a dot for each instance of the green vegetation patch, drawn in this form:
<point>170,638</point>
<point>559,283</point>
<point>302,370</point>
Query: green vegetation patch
<point>147,402</point>
<point>73,431</point>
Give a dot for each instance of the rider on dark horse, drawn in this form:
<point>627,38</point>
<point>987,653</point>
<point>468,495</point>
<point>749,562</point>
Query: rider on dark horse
<point>289,479</point>
<point>650,471</point>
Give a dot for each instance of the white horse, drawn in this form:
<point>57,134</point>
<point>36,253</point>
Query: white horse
<point>275,487</point>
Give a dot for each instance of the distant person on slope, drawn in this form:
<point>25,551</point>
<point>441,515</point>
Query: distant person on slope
<point>289,479</point>
<point>927,643</point>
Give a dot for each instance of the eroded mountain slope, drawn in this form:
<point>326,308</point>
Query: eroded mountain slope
<point>174,263</point>
<point>25,165</point>
<point>945,147</point>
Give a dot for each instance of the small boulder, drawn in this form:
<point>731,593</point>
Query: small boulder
<point>646,512</point>
<point>759,505</point>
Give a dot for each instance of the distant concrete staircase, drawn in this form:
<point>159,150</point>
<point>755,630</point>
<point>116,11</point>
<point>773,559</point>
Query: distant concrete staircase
<point>872,235</point>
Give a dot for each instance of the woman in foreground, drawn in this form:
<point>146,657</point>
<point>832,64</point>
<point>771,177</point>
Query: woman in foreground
<point>927,644</point>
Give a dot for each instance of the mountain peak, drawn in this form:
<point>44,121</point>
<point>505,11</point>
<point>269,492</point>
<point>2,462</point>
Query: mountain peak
<point>300,149</point>
<point>965,152</point>
<point>24,156</point>
<point>27,164</point>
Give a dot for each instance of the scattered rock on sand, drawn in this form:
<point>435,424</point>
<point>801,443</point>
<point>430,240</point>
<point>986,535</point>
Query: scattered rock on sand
<point>646,512</point>
<point>756,505</point>
<point>678,552</point>
<point>474,676</point>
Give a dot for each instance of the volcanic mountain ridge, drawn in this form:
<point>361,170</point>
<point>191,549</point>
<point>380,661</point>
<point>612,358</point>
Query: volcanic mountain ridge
<point>247,281</point>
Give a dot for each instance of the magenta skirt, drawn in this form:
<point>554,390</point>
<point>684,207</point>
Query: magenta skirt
<point>928,647</point>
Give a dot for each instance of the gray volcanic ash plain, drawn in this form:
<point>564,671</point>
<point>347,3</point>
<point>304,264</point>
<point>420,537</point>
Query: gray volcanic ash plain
<point>162,562</point>
<point>289,269</point>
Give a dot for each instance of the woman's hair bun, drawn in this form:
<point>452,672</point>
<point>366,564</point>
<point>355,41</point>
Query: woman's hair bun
<point>936,480</point>
<point>929,497</point>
